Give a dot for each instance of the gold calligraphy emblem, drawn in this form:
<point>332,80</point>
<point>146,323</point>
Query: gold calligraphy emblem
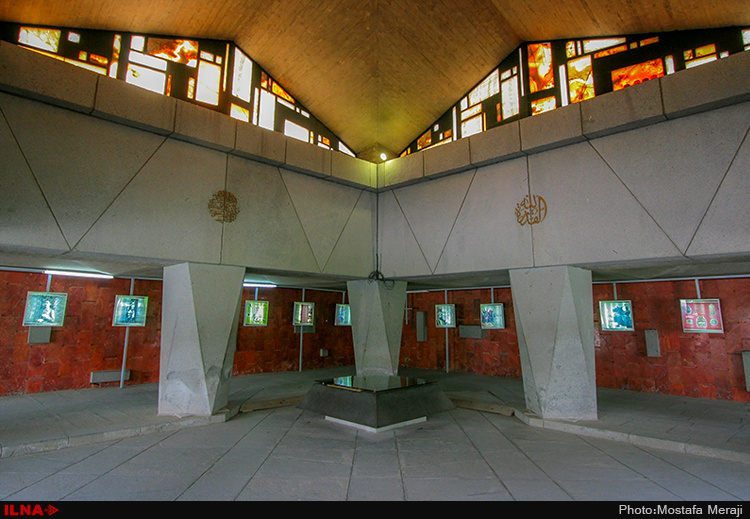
<point>531,210</point>
<point>223,206</point>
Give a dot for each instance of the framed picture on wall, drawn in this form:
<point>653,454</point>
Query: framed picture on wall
<point>701,316</point>
<point>616,316</point>
<point>256,313</point>
<point>445,316</point>
<point>304,314</point>
<point>130,311</point>
<point>45,309</point>
<point>343,315</point>
<point>492,316</point>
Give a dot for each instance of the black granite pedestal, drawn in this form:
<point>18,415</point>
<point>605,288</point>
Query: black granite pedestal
<point>376,402</point>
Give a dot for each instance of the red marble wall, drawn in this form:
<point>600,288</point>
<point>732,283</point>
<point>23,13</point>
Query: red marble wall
<point>88,342</point>
<point>276,347</point>
<point>702,365</point>
<point>691,364</point>
<point>497,354</point>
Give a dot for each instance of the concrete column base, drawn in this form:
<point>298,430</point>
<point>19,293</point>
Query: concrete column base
<point>377,321</point>
<point>555,323</point>
<point>200,315</point>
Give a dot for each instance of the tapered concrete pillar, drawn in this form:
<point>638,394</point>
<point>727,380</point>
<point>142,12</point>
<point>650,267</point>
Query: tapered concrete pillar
<point>200,315</point>
<point>377,321</point>
<point>553,309</point>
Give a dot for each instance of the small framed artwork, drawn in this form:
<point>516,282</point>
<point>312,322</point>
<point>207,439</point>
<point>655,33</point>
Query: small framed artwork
<point>616,316</point>
<point>343,315</point>
<point>304,314</point>
<point>492,316</point>
<point>445,316</point>
<point>701,316</point>
<point>256,313</point>
<point>130,311</point>
<point>45,309</point>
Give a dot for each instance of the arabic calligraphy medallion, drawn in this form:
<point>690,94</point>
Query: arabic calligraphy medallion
<point>531,210</point>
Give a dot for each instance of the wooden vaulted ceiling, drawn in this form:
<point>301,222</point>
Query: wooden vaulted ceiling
<point>379,72</point>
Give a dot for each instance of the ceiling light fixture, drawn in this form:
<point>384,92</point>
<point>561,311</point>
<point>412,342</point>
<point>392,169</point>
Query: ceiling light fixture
<point>78,274</point>
<point>258,285</point>
<point>383,156</point>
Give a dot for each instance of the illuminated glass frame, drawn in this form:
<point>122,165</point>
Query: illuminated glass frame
<point>130,310</point>
<point>616,316</point>
<point>45,309</point>
<point>256,313</point>
<point>445,316</point>
<point>304,314</point>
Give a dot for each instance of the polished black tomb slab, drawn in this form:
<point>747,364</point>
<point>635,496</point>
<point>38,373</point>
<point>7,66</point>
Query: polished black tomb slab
<point>376,401</point>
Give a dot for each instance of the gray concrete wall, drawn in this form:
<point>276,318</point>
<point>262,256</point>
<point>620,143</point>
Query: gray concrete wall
<point>654,172</point>
<point>94,166</point>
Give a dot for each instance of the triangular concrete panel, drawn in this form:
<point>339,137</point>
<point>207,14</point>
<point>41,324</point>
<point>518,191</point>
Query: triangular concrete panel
<point>140,223</point>
<point>675,183</point>
<point>487,223</point>
<point>431,209</point>
<point>398,249</point>
<point>25,218</point>
<point>323,209</point>
<point>354,253</point>
<point>267,232</point>
<point>80,172</point>
<point>591,216</point>
<point>725,229</point>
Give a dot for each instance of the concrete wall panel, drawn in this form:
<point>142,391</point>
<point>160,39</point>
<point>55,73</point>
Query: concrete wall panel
<point>323,209</point>
<point>398,251</point>
<point>141,223</point>
<point>591,216</point>
<point>431,209</point>
<point>354,252</point>
<point>267,232</point>
<point>725,229</point>
<point>485,235</point>
<point>26,221</point>
<point>81,163</point>
<point>674,168</point>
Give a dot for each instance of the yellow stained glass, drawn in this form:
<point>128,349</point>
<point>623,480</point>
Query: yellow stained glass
<point>580,79</point>
<point>42,39</point>
<point>543,105</point>
<point>541,73</point>
<point>240,113</point>
<point>208,83</point>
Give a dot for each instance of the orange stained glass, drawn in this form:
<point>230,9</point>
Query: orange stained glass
<point>425,140</point>
<point>541,73</point>
<point>580,79</point>
<point>179,51</point>
<point>276,89</point>
<point>635,74</point>
<point>609,52</point>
